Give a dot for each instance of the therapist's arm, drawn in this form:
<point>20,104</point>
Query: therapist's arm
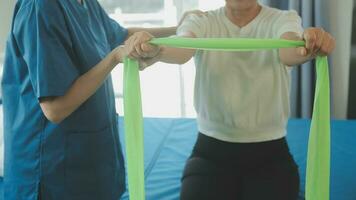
<point>165,31</point>
<point>317,42</point>
<point>156,32</point>
<point>56,109</point>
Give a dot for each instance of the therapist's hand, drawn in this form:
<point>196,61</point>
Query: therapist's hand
<point>139,48</point>
<point>119,53</point>
<point>136,47</point>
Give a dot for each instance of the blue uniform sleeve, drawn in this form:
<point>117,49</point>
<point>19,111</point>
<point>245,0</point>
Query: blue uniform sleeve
<point>116,34</point>
<point>45,44</point>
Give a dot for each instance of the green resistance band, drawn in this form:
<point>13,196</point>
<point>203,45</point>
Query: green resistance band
<point>318,162</point>
<point>133,121</point>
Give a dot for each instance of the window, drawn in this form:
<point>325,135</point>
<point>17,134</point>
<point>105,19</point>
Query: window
<point>352,90</point>
<point>167,90</point>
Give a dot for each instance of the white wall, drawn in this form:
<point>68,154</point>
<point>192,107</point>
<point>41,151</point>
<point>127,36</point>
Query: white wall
<point>210,4</point>
<point>6,9</point>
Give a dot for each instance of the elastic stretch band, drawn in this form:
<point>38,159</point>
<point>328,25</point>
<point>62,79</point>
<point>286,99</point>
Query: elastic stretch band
<point>318,161</point>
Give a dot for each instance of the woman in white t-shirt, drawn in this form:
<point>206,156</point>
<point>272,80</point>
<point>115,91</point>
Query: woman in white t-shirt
<point>242,101</point>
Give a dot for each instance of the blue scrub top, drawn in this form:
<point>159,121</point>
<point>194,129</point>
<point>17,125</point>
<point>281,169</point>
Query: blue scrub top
<point>51,44</point>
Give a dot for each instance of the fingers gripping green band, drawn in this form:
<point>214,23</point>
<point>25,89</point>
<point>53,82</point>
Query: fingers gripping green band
<point>318,161</point>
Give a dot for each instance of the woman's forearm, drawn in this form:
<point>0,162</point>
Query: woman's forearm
<point>169,54</point>
<point>175,55</point>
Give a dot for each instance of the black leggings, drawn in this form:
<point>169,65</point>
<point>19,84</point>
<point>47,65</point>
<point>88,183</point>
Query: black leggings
<point>240,171</point>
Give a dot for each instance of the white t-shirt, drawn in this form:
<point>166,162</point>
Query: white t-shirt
<point>242,96</point>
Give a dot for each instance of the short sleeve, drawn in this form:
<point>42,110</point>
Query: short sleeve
<point>195,24</point>
<point>288,21</point>
<point>116,34</point>
<point>44,43</point>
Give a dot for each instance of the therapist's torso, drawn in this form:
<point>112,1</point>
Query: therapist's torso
<point>52,43</point>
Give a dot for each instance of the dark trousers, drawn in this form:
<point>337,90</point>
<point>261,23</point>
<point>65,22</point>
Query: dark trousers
<point>240,171</point>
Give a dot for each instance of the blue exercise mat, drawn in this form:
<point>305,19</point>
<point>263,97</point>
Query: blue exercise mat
<point>168,143</point>
<point>165,155</point>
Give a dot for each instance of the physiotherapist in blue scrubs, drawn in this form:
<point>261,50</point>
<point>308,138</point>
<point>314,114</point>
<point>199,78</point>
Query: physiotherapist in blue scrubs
<point>60,123</point>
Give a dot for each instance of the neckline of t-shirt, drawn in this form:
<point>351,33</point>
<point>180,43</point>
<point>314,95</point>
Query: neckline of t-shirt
<point>247,26</point>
